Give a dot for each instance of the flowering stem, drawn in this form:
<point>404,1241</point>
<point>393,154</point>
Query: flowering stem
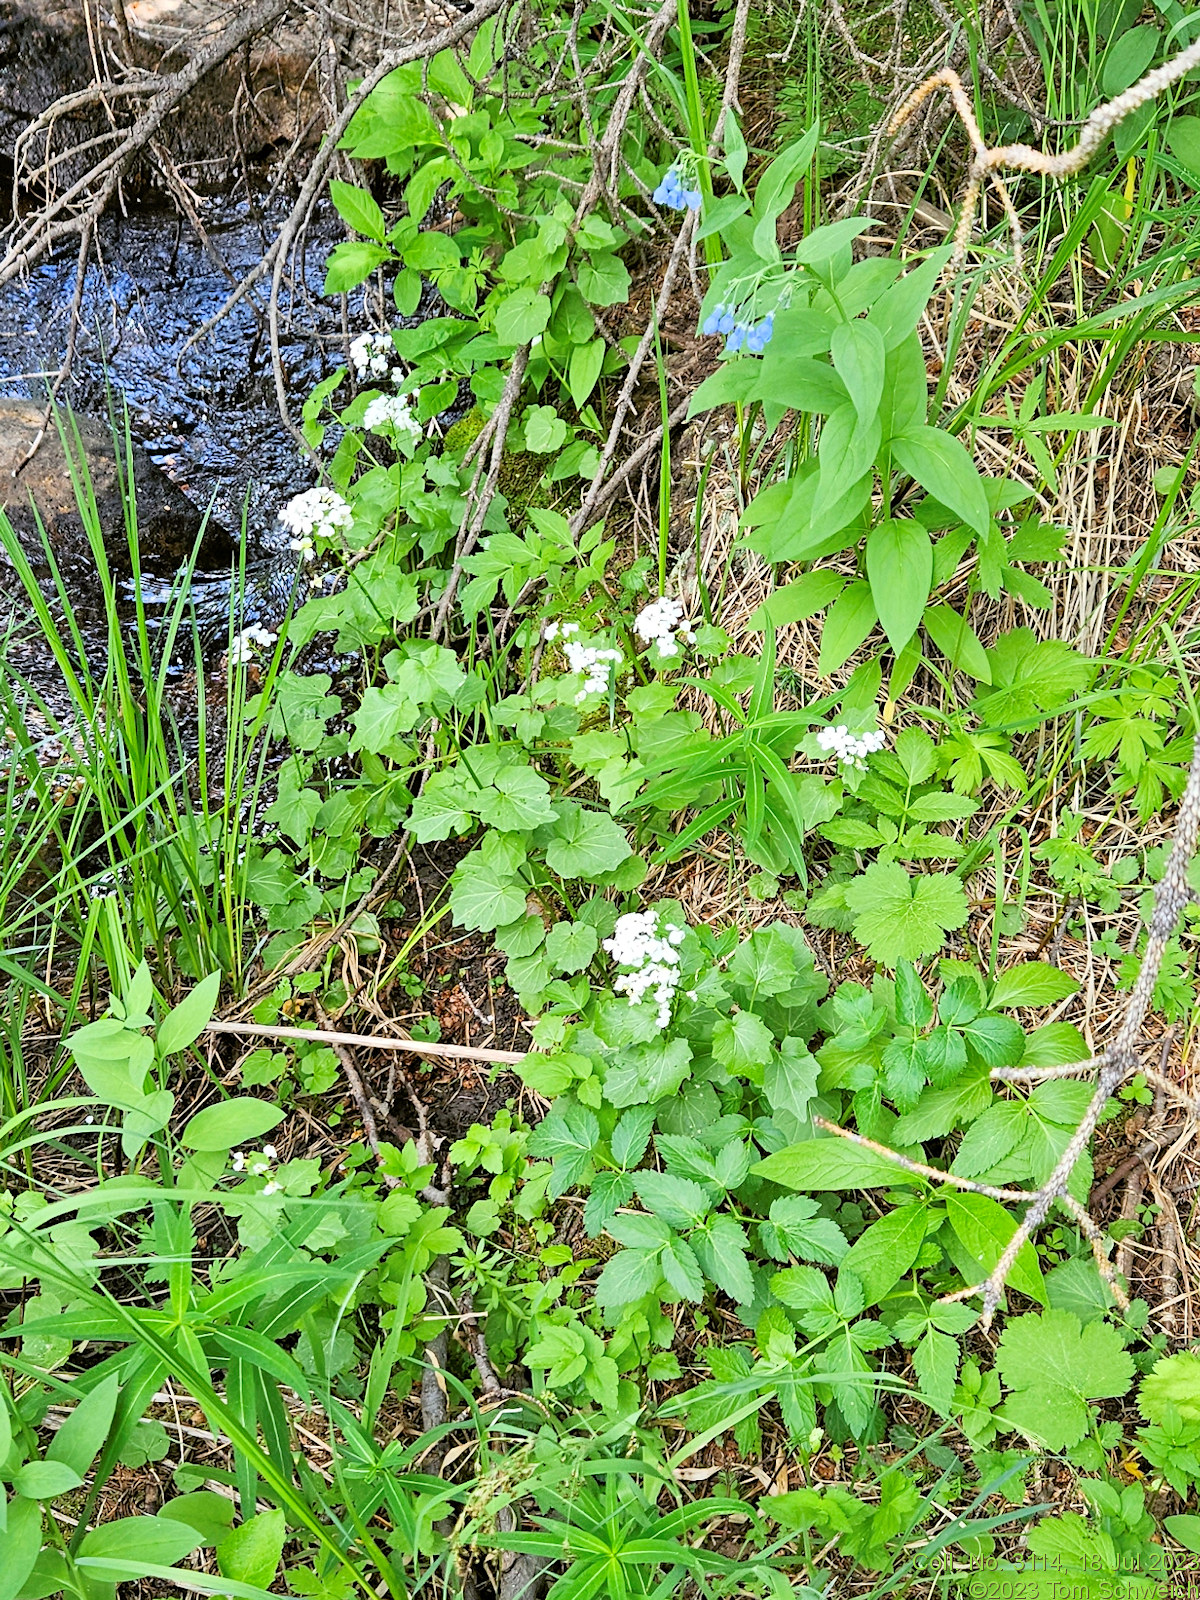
<point>664,476</point>
<point>713,254</point>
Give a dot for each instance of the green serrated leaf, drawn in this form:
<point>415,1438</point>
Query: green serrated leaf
<point>1053,1365</point>
<point>901,918</point>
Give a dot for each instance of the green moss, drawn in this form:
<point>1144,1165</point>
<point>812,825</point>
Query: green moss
<point>523,482</point>
<point>463,433</point>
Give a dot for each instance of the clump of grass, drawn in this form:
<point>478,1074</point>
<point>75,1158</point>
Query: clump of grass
<point>123,823</point>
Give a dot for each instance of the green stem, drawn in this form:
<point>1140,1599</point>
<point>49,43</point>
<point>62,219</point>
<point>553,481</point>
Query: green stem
<point>696,126</point>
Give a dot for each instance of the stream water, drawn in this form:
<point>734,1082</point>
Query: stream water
<point>206,415</point>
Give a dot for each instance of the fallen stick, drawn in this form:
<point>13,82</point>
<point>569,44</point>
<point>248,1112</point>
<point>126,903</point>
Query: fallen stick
<point>369,1041</point>
<point>35,235</point>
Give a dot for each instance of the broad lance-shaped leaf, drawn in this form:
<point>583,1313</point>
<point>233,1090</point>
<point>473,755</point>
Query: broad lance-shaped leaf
<point>1031,983</point>
<point>940,463</point>
<point>232,1122</point>
<point>184,1024</point>
<point>846,451</point>
<point>158,1541</point>
<point>832,1164</point>
<point>984,1228</point>
<point>78,1441</point>
<point>882,1255</point>
<point>900,569</point>
<point>251,1553</point>
<point>359,209</point>
<point>858,357</point>
<point>958,641</point>
<point>848,622</point>
<point>22,1543</point>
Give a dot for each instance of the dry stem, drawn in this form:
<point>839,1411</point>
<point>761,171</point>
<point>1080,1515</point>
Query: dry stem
<point>987,163</point>
<point>1113,1066</point>
<point>367,1041</point>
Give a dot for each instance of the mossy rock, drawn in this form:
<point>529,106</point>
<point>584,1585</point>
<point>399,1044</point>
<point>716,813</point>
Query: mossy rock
<point>463,433</point>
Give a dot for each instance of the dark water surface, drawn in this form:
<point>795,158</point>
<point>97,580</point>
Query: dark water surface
<point>209,416</point>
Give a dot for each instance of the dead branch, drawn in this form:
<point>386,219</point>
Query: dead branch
<point>598,492</point>
<point>988,163</point>
<point>367,1041</point>
<point>580,521</point>
<point>308,958</point>
<point>359,1093</point>
<point>602,183</point>
<point>79,206</point>
<point>480,497</point>
<point>1119,1061</point>
<point>1113,1066</point>
<point>277,257</point>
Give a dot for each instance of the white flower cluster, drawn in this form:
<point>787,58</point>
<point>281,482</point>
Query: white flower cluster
<point>851,749</point>
<point>661,623</point>
<point>595,663</point>
<point>372,355</point>
<point>651,950</point>
<point>316,514</point>
<point>258,1166</point>
<point>392,413</point>
<point>241,651</point>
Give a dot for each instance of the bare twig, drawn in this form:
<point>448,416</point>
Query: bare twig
<point>314,178</point>
<point>359,1093</point>
<point>988,163</point>
<point>367,1041</point>
<point>919,1168</point>
<point>481,499</point>
<point>1119,1061</point>
<point>80,204</point>
<point>307,958</point>
<point>1113,1066</point>
<point>580,521</point>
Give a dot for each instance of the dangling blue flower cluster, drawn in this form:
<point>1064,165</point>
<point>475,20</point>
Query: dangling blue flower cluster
<point>752,337</point>
<point>671,192</point>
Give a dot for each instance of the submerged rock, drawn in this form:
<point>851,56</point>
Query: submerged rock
<point>40,461</point>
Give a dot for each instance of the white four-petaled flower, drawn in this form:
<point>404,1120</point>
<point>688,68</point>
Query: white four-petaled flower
<point>315,514</point>
<point>596,663</point>
<point>662,623</point>
<point>372,354</point>
<point>392,413</point>
<point>650,949</point>
<point>851,749</point>
<point>245,643</point>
